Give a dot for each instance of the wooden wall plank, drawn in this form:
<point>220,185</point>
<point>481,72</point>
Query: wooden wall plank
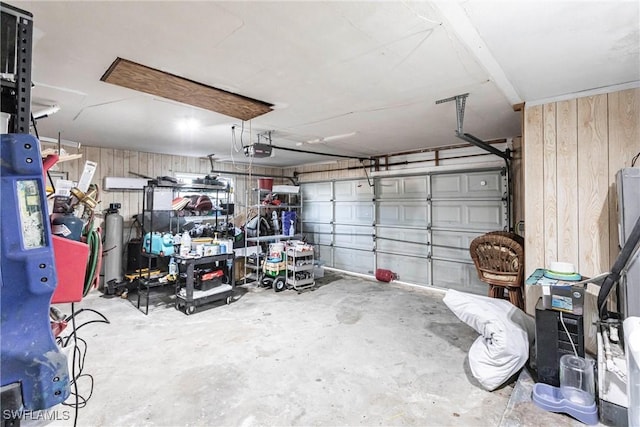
<point>118,170</point>
<point>593,177</point>
<point>135,197</point>
<point>74,167</point>
<point>550,185</point>
<point>106,169</point>
<point>192,165</point>
<point>166,165</point>
<point>202,166</point>
<point>624,143</point>
<point>533,143</point>
<point>174,165</point>
<point>624,128</point>
<point>158,170</point>
<point>143,164</point>
<point>517,187</point>
<point>567,166</point>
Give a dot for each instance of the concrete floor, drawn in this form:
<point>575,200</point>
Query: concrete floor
<point>351,352</point>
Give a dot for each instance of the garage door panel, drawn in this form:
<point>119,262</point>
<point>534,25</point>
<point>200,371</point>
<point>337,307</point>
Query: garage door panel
<point>414,214</point>
<point>415,187</point>
<point>320,191</point>
<point>461,277</point>
<point>323,253</point>
<point>403,214</point>
<point>412,270</point>
<point>452,244</point>
<point>471,215</point>
<point>446,185</point>
<point>318,233</point>
<point>484,184</point>
<point>353,190</point>
<point>318,212</point>
<point>472,185</point>
<point>411,187</point>
<point>388,214</point>
<point>447,214</point>
<point>401,241</point>
<point>353,260</point>
<point>354,213</point>
<point>389,188</point>
<point>485,215</point>
<point>354,237</point>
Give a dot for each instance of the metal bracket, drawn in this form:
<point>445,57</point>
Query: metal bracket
<point>460,104</point>
<point>461,100</point>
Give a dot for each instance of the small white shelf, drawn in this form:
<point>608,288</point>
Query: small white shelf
<point>299,283</point>
<point>304,267</point>
<point>197,294</point>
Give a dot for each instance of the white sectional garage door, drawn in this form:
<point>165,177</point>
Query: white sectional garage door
<point>417,226</point>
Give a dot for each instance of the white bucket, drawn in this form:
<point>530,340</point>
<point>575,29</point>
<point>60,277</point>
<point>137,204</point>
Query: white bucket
<point>275,250</point>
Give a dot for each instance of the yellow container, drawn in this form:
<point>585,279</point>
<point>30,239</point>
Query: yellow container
<point>195,241</point>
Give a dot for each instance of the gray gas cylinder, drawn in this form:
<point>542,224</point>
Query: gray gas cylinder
<point>112,247</point>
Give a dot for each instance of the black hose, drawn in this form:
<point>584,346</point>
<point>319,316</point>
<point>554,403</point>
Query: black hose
<point>623,258</point>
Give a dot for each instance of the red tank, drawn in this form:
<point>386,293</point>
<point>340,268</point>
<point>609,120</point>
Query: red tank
<point>385,275</point>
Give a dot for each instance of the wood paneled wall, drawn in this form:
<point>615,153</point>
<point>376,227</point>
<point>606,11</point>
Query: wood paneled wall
<point>120,163</point>
<point>572,151</point>
<point>328,171</point>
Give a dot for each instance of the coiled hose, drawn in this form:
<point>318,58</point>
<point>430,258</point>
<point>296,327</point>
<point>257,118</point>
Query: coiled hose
<point>92,272</point>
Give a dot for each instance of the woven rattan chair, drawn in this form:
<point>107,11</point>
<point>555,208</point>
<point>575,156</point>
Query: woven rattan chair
<point>499,260</point>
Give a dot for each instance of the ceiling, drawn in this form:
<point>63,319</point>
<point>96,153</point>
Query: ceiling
<point>364,75</point>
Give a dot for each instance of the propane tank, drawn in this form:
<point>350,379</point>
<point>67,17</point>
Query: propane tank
<point>112,247</point>
<point>68,226</point>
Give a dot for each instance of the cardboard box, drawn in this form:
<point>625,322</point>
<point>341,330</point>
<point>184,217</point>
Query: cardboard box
<point>318,271</point>
<point>569,299</point>
<point>559,295</point>
<point>160,199</point>
<point>238,268</point>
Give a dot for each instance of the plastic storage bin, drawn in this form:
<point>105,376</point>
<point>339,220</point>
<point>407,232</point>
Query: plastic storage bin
<point>71,263</point>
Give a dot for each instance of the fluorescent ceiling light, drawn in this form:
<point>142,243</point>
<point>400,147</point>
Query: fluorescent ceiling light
<point>332,138</point>
<point>46,112</point>
<point>188,124</point>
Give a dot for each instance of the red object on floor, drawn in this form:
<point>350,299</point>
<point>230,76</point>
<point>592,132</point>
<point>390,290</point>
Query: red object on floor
<point>385,275</point>
<point>71,265</point>
<point>57,327</point>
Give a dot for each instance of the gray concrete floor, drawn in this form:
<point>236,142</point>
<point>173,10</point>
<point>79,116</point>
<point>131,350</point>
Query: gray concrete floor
<point>351,352</point>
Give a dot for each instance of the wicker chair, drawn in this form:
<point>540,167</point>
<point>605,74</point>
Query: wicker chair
<point>499,260</point>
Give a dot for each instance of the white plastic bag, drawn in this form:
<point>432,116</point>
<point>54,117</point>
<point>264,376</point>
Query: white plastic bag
<point>506,332</point>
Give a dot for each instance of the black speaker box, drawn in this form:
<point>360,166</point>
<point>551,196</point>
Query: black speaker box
<point>552,342</point>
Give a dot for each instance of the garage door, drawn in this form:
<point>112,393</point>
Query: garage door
<point>402,227</point>
<point>464,206</point>
<point>418,226</point>
<point>338,218</point>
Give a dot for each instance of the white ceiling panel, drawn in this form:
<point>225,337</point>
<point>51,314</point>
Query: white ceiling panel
<point>368,68</point>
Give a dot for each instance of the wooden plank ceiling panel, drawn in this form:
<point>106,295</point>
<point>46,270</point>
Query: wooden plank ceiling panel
<point>159,83</point>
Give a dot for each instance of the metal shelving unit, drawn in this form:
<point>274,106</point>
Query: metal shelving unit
<point>261,241</point>
<point>190,298</point>
<point>300,269</point>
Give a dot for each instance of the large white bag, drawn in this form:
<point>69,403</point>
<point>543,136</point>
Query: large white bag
<point>506,332</point>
